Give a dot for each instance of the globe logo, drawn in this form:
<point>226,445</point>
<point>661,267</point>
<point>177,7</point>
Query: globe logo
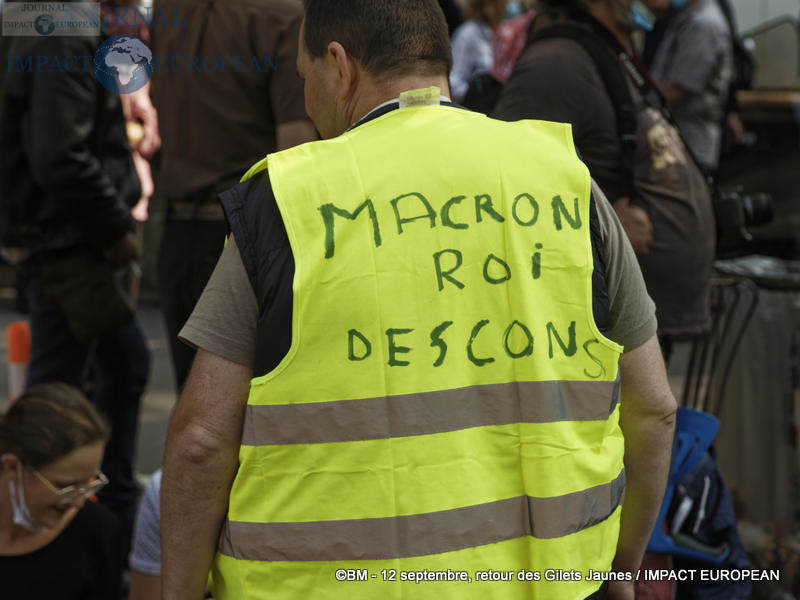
<point>44,25</point>
<point>123,64</point>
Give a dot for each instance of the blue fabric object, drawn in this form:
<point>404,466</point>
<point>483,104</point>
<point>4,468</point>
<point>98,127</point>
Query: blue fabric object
<point>697,509</point>
<point>718,527</point>
<point>694,432</point>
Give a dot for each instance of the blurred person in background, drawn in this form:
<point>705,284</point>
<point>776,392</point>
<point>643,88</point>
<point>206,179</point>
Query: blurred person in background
<point>472,44</point>
<point>67,187</point>
<point>141,119</point>
<point>53,543</point>
<point>509,40</point>
<point>693,66</point>
<point>213,126</point>
<point>579,67</point>
<point>658,193</point>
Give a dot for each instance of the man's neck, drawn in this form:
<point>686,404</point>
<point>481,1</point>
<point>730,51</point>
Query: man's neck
<point>375,95</point>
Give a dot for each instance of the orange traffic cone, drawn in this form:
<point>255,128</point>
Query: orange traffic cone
<point>18,334</point>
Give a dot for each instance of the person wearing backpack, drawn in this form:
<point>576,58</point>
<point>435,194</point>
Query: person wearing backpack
<point>579,68</point>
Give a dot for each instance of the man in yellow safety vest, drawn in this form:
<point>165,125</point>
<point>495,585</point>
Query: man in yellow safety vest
<point>427,362</point>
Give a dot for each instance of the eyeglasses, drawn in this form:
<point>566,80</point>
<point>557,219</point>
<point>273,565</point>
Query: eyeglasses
<point>71,492</point>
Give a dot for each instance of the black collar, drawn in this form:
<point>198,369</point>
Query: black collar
<point>382,110</point>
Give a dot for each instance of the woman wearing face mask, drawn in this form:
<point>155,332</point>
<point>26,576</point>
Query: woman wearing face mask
<point>53,543</point>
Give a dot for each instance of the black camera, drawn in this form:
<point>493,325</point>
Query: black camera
<point>734,212</point>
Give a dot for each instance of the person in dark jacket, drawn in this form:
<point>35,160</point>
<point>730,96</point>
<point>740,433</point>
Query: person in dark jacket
<point>67,182</point>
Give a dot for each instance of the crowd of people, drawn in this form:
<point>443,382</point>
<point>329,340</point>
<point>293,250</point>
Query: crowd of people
<point>566,242</point>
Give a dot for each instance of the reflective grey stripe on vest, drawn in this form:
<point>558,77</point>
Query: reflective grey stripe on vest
<point>423,534</point>
<point>430,412</point>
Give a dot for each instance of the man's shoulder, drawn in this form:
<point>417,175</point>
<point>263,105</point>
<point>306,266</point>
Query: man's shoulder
<point>557,47</point>
<point>709,18</point>
<point>253,192</point>
<point>252,211</point>
<point>560,61</point>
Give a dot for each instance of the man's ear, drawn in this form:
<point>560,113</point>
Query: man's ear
<point>346,67</point>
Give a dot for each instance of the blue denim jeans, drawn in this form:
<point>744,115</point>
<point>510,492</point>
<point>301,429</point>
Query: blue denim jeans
<point>113,369</point>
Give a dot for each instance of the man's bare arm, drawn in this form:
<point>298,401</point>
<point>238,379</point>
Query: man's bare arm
<point>200,462</point>
<point>647,419</point>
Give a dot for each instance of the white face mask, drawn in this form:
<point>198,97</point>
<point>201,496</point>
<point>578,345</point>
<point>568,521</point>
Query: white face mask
<point>640,17</point>
<point>22,515</point>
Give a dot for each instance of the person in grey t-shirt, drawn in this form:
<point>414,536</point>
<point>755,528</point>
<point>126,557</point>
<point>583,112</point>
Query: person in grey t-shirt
<point>694,67</point>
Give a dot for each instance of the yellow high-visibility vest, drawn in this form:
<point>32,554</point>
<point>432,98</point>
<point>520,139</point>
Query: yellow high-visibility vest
<point>445,423</point>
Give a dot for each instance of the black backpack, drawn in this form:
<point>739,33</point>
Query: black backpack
<point>590,37</point>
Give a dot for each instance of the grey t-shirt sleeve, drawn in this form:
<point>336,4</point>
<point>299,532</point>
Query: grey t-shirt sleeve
<point>145,554</point>
<point>633,313</point>
<point>224,319</point>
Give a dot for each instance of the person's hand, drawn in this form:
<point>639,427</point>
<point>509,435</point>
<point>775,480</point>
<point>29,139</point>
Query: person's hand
<point>139,111</point>
<point>637,225</point>
<point>621,590</point>
<point>151,141</point>
<point>735,128</point>
<point>124,251</point>
<point>141,211</point>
